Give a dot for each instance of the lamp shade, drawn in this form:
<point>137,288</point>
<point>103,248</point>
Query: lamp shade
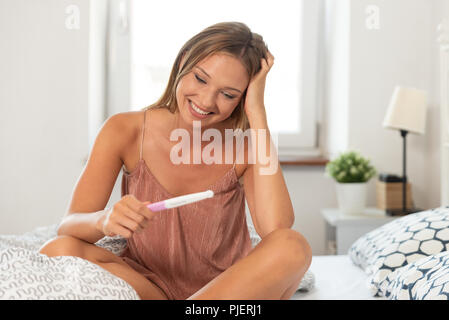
<point>407,110</point>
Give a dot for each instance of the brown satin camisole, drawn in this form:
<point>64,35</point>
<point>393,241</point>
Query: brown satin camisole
<point>184,248</point>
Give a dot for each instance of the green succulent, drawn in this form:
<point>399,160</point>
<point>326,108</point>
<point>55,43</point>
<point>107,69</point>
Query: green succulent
<point>350,167</point>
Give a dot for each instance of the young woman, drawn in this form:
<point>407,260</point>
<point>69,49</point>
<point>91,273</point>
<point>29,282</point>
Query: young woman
<point>201,250</point>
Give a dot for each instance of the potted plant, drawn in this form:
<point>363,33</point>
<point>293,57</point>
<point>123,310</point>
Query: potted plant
<point>351,172</point>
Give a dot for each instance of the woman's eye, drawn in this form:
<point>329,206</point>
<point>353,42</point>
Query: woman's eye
<point>229,96</point>
<point>199,79</point>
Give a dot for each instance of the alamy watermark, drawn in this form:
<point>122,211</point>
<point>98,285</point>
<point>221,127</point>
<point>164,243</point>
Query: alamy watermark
<point>372,21</point>
<point>72,20</point>
<point>213,152</point>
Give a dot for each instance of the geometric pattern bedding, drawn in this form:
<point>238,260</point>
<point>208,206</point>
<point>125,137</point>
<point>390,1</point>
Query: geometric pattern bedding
<point>27,274</point>
<point>394,251</point>
<point>425,279</point>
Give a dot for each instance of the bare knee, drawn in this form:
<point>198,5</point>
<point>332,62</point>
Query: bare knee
<point>70,246</point>
<point>63,246</point>
<point>292,249</point>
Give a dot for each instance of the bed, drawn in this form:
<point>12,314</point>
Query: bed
<point>25,274</point>
<point>336,278</point>
<point>407,258</point>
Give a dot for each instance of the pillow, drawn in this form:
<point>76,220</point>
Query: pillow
<point>401,242</point>
<point>425,279</point>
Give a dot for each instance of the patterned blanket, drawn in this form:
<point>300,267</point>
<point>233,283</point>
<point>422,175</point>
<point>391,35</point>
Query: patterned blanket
<point>27,274</point>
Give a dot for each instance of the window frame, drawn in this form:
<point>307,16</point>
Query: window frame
<point>304,143</point>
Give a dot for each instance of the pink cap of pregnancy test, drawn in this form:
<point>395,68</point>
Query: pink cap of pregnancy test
<point>158,206</point>
<point>180,201</point>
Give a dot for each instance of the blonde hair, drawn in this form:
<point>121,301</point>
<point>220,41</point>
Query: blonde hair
<point>234,38</point>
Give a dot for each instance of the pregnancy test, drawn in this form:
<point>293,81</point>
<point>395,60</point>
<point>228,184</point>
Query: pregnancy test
<point>180,201</point>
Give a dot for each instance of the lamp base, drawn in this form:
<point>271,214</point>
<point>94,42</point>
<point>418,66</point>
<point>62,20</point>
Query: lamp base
<point>401,212</point>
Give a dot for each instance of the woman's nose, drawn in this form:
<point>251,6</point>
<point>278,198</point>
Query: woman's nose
<point>208,98</point>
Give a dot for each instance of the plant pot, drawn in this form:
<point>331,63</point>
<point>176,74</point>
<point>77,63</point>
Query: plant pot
<point>351,197</point>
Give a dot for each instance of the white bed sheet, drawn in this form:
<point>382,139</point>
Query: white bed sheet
<point>336,278</point>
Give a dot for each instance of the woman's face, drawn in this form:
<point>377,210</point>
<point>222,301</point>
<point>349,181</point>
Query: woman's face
<point>214,86</point>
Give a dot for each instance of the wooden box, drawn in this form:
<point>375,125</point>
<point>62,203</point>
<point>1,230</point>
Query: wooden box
<point>389,195</point>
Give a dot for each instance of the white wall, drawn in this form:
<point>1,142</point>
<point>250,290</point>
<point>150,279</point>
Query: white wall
<point>401,52</point>
<point>361,68</point>
<point>310,191</point>
<point>44,72</point>
<point>442,79</point>
<point>43,109</point>
<point>97,67</point>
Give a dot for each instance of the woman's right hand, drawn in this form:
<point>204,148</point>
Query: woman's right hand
<point>127,216</point>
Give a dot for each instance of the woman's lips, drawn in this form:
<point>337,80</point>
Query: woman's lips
<point>195,113</point>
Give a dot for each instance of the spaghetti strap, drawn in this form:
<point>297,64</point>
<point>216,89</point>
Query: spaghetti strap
<point>143,133</point>
<point>237,149</point>
<point>236,157</point>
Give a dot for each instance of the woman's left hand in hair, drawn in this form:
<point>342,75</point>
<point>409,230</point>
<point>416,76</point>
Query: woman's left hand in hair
<point>254,101</point>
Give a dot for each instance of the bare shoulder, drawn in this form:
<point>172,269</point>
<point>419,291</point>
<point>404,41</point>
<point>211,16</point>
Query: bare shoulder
<point>123,128</point>
<point>125,120</point>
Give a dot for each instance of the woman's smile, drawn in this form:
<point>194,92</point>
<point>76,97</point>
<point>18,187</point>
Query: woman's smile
<point>208,90</point>
<point>198,112</point>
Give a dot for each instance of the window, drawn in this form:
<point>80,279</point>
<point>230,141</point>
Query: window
<point>289,27</point>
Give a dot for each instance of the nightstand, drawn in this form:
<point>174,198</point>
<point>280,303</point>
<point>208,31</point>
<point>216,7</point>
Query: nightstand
<point>343,230</point>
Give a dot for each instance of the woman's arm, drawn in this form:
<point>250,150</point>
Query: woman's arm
<point>82,226</point>
<point>86,210</point>
<point>266,192</point>
<point>265,189</point>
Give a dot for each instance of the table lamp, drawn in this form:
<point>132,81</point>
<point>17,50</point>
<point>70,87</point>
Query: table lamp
<point>406,113</point>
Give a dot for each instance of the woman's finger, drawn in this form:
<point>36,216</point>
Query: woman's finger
<point>140,207</point>
<point>135,216</point>
<point>127,222</point>
<point>117,222</point>
<point>270,59</point>
<point>145,211</point>
<point>264,63</point>
<point>116,229</point>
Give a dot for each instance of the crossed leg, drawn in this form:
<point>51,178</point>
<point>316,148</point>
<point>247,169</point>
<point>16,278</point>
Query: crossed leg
<point>272,270</point>
<point>70,246</point>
